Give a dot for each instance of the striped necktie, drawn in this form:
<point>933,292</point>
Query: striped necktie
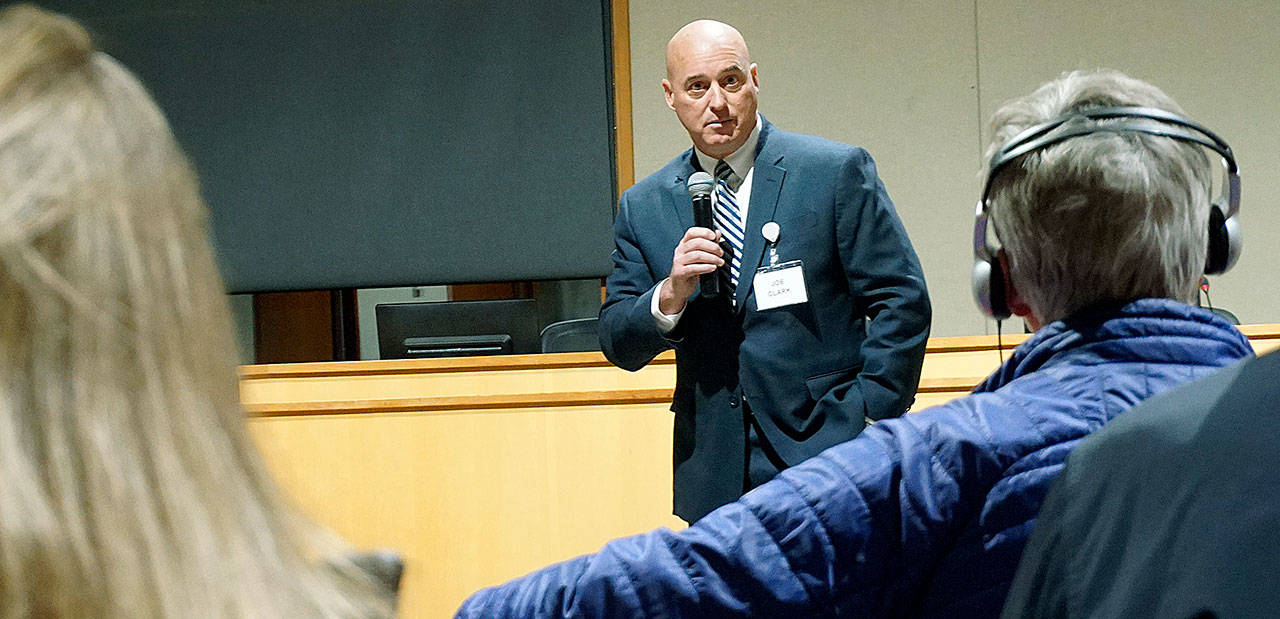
<point>729,221</point>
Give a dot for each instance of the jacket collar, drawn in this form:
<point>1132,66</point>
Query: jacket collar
<point>742,160</point>
<point>766,186</point>
<point>1145,330</point>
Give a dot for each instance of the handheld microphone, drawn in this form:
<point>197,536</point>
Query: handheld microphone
<point>700,186</point>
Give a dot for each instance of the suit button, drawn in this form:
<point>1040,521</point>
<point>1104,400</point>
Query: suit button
<point>733,401</point>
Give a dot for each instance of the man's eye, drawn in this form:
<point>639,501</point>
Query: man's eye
<point>697,87</point>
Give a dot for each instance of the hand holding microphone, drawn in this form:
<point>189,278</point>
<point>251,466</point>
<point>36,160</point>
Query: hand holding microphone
<point>698,255</point>
<point>700,186</point>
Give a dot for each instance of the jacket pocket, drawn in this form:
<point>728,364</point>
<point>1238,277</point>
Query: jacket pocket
<point>821,384</point>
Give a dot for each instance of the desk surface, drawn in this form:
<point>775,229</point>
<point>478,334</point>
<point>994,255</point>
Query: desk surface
<point>953,365</point>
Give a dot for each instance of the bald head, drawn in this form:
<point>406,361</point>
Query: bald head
<point>712,86</point>
<point>703,34</point>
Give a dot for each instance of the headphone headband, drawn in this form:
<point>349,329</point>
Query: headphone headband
<point>1129,120</point>
<point>1037,137</point>
<point>1224,233</point>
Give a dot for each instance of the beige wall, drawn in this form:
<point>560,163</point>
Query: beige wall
<point>915,81</point>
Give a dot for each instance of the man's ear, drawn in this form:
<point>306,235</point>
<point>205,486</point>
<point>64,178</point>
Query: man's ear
<point>1012,298</point>
<point>669,94</point>
<point>755,77</point>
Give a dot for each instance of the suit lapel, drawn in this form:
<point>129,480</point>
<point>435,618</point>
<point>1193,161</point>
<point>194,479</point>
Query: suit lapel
<point>766,185</point>
<point>678,194</point>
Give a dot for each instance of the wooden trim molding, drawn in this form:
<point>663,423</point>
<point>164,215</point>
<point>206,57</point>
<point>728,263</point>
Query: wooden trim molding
<point>548,361</point>
<point>1259,334</point>
<point>462,403</point>
<point>622,95</point>
<point>1264,332</point>
<point>953,365</point>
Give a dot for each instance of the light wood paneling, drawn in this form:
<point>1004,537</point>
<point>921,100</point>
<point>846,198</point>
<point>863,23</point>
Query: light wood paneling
<point>478,470</point>
<point>476,498</point>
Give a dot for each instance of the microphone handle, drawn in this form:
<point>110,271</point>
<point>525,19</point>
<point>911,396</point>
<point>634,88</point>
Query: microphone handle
<point>708,283</point>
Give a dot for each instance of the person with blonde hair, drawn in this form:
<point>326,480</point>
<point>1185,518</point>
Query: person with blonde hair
<point>130,486</point>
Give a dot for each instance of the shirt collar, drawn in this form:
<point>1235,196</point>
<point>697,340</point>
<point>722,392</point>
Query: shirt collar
<point>740,160</point>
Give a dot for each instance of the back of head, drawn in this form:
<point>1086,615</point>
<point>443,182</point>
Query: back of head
<point>131,487</point>
<point>1103,218</point>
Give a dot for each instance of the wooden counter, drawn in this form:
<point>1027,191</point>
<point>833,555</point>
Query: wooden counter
<point>479,470</point>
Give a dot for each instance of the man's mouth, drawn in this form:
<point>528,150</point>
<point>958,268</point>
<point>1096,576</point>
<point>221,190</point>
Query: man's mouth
<point>720,123</point>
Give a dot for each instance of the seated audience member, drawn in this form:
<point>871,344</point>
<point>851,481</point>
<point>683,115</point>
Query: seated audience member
<point>1104,231</point>
<point>1173,510</point>
<point>130,485</point>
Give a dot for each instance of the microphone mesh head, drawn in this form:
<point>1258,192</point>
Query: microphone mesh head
<point>701,184</point>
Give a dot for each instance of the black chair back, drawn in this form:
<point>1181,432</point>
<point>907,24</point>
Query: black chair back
<point>578,335</point>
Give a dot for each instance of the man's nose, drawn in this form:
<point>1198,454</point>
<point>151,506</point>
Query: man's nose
<point>716,98</point>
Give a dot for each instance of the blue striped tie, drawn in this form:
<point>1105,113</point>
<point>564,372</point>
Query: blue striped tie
<point>729,221</point>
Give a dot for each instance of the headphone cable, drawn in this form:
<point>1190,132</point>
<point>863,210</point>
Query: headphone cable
<point>1204,287</point>
<point>999,341</point>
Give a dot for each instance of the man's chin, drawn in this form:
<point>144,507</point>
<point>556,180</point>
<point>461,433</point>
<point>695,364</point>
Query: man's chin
<point>717,144</point>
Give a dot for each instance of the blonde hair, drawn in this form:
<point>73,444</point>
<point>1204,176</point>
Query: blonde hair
<point>1104,218</point>
<point>128,483</point>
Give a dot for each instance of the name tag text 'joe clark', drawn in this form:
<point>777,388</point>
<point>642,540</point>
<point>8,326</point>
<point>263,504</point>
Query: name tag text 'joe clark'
<point>779,286</point>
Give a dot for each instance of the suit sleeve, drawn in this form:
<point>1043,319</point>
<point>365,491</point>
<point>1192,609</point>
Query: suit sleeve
<point>888,284</point>
<point>629,337</point>
<point>850,532</point>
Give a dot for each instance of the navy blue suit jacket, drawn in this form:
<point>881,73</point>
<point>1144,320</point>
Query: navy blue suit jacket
<point>811,371</point>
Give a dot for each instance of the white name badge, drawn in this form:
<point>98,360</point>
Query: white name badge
<point>780,285</point>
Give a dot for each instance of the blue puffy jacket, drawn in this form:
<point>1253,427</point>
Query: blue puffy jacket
<point>925,515</point>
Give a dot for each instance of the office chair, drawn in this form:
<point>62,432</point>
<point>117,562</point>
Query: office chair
<point>578,335</point>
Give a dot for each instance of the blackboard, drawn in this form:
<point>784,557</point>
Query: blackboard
<point>378,143</point>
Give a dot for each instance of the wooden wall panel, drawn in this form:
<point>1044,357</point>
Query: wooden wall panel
<point>481,469</point>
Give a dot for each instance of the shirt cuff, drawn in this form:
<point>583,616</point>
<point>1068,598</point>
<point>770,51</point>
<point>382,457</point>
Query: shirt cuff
<point>665,322</point>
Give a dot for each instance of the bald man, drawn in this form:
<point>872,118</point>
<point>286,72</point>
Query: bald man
<point>823,315</point>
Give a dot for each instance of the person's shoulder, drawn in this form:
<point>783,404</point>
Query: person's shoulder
<point>1168,422</point>
<point>660,180</point>
<point>806,146</point>
<point>1021,417</point>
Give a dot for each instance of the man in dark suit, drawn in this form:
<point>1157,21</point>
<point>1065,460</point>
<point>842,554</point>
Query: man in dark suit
<point>824,315</point>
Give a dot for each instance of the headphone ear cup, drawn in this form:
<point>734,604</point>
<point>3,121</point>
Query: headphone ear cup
<point>1224,242</point>
<point>999,302</point>
<point>988,288</point>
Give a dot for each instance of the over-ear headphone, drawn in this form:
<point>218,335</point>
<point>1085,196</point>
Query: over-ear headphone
<point>1225,236</point>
